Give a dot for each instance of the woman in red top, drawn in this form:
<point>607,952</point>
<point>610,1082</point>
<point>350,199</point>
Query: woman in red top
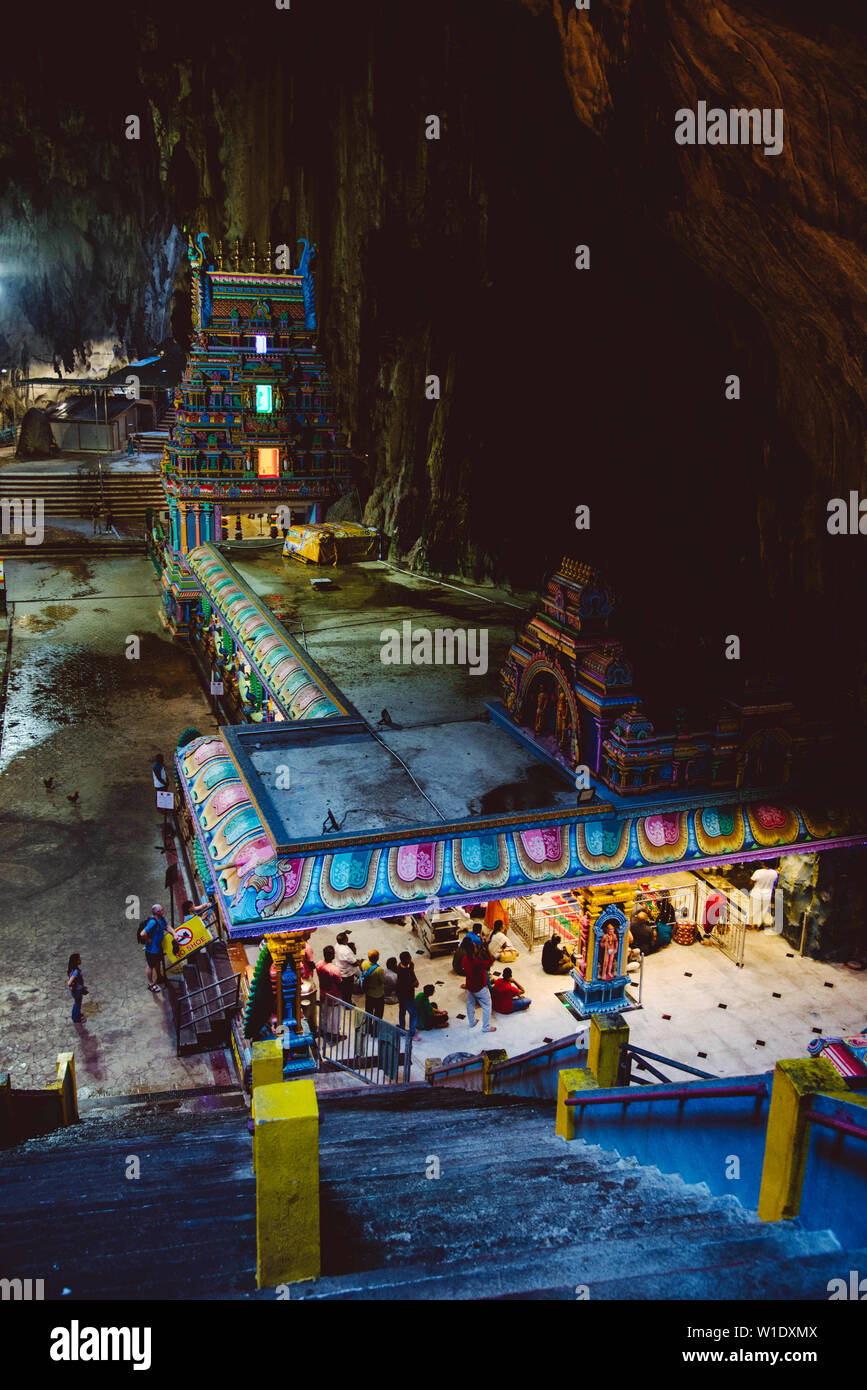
<point>476,963</point>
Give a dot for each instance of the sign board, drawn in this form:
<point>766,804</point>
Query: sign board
<point>165,801</point>
<point>216,687</point>
<point>189,936</point>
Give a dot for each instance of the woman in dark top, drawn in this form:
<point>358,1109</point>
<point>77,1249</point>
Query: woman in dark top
<point>75,985</point>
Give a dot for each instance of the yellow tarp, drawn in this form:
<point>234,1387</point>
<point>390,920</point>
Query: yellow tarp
<point>330,543</point>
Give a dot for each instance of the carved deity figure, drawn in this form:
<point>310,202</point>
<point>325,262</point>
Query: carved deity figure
<point>609,949</point>
<point>562,719</point>
<point>543,700</point>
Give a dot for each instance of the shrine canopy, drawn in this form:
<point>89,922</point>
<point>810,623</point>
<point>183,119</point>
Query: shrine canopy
<point>298,687</point>
<point>278,860</point>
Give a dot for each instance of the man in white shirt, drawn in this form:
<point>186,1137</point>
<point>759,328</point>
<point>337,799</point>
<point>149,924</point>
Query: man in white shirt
<point>764,880</point>
<point>347,963</point>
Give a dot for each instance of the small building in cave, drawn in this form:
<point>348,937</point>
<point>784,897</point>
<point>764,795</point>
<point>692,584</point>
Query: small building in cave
<point>568,689</point>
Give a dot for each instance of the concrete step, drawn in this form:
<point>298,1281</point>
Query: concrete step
<point>670,1260</point>
<point>515,1213</point>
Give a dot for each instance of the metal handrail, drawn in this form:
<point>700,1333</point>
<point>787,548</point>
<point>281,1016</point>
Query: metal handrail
<point>674,1093</point>
<point>537,1052</point>
<point>347,1047</point>
<point>547,1051</point>
<point>634,1051</point>
<point>833,1122</point>
<point>226,1005</point>
<point>458,1066</point>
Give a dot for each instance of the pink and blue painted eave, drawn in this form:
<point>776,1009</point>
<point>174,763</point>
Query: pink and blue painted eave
<point>261,889</point>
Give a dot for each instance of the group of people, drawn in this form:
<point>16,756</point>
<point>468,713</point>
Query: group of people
<point>488,990</point>
<point>102,520</point>
<point>341,974</point>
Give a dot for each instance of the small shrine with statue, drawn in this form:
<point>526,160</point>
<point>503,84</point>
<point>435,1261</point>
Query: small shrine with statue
<point>600,977</point>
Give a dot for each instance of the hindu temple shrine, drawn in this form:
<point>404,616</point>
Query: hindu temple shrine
<point>433,687</point>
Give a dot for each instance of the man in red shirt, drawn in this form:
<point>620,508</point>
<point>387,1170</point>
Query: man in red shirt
<point>476,963</point>
<point>508,996</point>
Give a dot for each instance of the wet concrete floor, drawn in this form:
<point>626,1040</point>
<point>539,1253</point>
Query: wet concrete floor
<point>95,688</point>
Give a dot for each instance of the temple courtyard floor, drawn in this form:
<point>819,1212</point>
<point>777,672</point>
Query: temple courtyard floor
<point>86,717</point>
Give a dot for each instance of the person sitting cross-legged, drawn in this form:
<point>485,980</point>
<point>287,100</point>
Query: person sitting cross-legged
<point>556,960</point>
<point>507,995</point>
<point>499,944</point>
<point>429,1016</point>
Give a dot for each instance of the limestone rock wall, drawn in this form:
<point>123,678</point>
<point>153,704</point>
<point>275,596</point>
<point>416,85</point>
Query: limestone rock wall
<point>455,257</point>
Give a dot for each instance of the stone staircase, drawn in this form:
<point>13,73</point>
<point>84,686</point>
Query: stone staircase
<point>200,1022</point>
<point>66,496</point>
<point>515,1212</point>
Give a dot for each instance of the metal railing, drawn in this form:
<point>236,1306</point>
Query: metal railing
<point>729,924</point>
<point>834,1122</point>
<point>223,1003</point>
<point>549,1051</point>
<point>679,1093</point>
<point>452,1068</point>
<point>630,1053</point>
<point>377,1052</point>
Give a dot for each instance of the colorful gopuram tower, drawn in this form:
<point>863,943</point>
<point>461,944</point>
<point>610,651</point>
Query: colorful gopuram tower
<point>254,430</point>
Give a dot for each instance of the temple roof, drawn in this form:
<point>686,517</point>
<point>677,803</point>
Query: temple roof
<point>355,877</point>
<point>297,685</point>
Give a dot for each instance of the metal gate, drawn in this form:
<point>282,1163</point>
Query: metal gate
<point>728,921</point>
<point>377,1052</point>
<point>675,905</point>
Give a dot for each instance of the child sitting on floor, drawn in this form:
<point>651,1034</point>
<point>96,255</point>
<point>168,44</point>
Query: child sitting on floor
<point>429,1016</point>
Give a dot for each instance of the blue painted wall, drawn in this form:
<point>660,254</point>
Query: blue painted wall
<point>538,1080</point>
<point>696,1138</point>
<point>835,1180</point>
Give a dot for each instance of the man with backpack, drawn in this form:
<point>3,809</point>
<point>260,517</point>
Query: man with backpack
<point>151,936</point>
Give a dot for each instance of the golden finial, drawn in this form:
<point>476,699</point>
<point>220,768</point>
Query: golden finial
<point>268,265</point>
<point>253,256</point>
<point>237,253</point>
<point>219,255</point>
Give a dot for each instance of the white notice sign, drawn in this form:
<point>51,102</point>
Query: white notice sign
<point>165,801</point>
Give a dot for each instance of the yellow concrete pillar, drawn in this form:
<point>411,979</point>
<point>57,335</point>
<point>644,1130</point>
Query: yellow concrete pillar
<point>489,1061</point>
<point>788,1136</point>
<point>65,1073</point>
<point>569,1082</point>
<point>286,1160</point>
<point>267,1062</point>
<point>608,1033</point>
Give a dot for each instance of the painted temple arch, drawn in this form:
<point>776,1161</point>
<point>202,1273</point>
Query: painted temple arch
<point>568,687</point>
<point>549,707</point>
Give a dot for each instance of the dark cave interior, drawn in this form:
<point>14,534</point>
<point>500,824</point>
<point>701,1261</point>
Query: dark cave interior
<point>456,257</point>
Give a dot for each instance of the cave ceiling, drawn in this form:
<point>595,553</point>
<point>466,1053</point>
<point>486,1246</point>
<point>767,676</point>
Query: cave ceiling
<point>560,387</point>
